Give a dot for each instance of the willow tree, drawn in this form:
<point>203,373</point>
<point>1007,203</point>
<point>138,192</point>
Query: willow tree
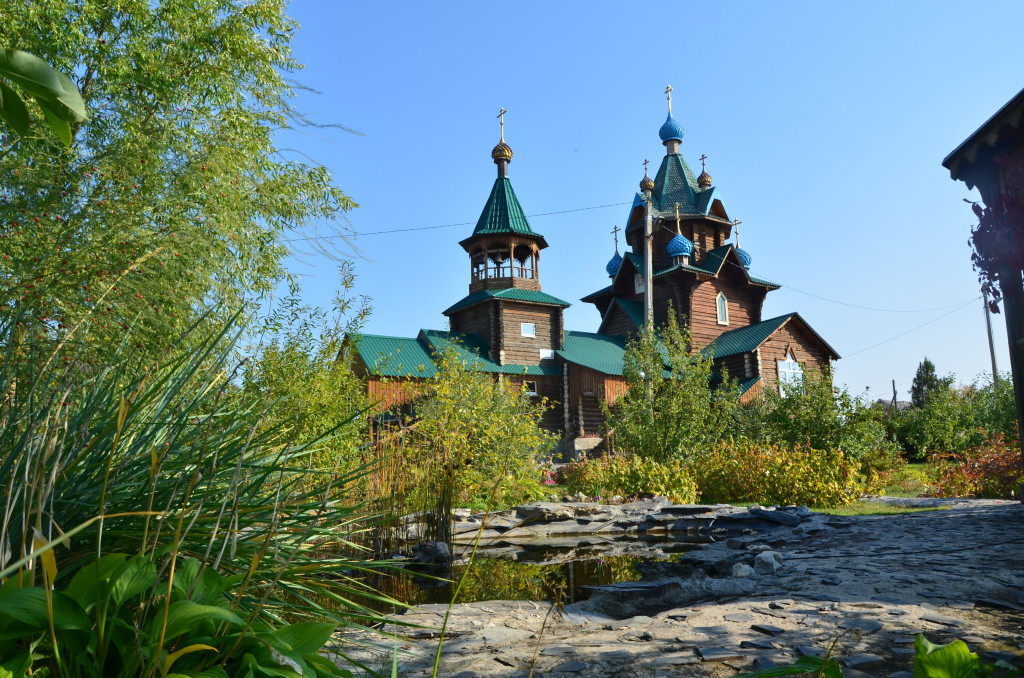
<point>174,193</point>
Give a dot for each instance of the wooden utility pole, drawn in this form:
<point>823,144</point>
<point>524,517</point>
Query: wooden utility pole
<point>991,343</point>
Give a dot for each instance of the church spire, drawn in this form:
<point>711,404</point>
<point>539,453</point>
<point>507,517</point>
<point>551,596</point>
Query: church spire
<point>671,132</point>
<point>502,154</point>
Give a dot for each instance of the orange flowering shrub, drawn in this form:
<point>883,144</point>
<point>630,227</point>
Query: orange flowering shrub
<point>775,474</point>
<point>993,469</point>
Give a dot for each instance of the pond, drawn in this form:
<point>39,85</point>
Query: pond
<point>544,569</point>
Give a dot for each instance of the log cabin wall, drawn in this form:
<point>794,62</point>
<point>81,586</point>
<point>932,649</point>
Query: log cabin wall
<point>549,387</point>
<point>744,303</point>
<point>674,289</point>
<point>522,350</point>
<point>475,320</point>
<point>387,393</point>
<point>807,350</point>
<point>739,366</point>
<point>617,323</point>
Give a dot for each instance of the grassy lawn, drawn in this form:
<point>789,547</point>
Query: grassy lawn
<point>913,481</point>
<point>873,508</point>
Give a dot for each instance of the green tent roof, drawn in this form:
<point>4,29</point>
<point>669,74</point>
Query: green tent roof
<point>405,357</point>
<point>744,339</point>
<point>601,352</point>
<point>502,213</point>
<point>510,293</point>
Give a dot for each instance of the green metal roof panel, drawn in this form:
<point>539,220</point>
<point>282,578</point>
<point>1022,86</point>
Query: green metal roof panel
<point>634,310</point>
<point>744,339</point>
<point>471,349</point>
<point>394,356</point>
<point>502,212</point>
<point>601,352</point>
<point>511,293</point>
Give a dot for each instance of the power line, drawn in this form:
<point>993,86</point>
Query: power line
<point>463,223</point>
<point>912,329</point>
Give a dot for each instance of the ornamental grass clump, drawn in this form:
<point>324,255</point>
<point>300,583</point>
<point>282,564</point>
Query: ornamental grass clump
<point>776,474</point>
<point>165,465</point>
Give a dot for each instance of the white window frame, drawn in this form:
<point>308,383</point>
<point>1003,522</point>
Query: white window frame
<point>530,388</point>
<point>547,354</point>
<point>528,329</point>
<point>791,372</point>
<point>722,308</point>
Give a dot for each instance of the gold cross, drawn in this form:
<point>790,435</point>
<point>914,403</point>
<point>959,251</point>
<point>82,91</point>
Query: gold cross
<point>501,120</point>
<point>736,228</point>
<point>615,232</point>
<point>702,159</point>
<point>668,92</point>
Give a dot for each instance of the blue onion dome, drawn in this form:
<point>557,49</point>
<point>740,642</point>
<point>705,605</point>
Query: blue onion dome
<point>744,257</point>
<point>671,129</point>
<point>613,265</point>
<point>501,152</point>
<point>647,183</point>
<point>679,246</point>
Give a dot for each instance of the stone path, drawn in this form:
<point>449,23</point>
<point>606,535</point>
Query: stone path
<point>872,582</point>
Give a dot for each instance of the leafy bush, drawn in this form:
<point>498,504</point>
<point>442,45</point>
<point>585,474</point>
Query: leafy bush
<point>625,476</point>
<point>116,617</point>
<point>774,474</point>
<point>672,408</point>
<point>993,469</point>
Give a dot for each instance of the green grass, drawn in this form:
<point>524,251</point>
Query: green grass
<point>874,508</point>
<point>913,480</point>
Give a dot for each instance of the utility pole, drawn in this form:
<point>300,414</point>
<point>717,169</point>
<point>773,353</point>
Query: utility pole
<point>647,185</point>
<point>991,343</point>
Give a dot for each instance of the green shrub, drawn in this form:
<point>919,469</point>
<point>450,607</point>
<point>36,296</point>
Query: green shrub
<point>610,476</point>
<point>774,474</point>
<point>993,469</point>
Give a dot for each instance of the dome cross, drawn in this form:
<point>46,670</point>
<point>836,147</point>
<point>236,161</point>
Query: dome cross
<point>668,94</point>
<point>501,121</point>
<point>615,234</point>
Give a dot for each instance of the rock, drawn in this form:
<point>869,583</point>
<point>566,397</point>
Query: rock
<point>804,650</point>
<point>718,654</point>
<point>741,570</point>
<point>942,619</point>
<point>558,650</point>
<point>960,605</point>
<point>768,562</point>
<point>862,625</point>
<point>780,517</point>
<point>757,645</point>
<point>543,511</point>
<point>739,617</point>
<point>831,581</point>
<point>500,635</point>
<point>780,604</point>
<point>768,629</point>
<point>901,674</point>
<point>570,667</point>
<point>432,553</point>
<point>711,630</point>
<point>864,660</point>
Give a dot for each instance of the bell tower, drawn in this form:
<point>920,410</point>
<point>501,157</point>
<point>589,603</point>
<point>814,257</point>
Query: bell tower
<point>506,307</point>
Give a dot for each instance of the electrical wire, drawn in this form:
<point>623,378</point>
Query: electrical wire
<point>463,223</point>
<point>913,329</point>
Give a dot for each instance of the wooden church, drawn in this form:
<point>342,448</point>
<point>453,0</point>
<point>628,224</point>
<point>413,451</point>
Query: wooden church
<point>506,325</point>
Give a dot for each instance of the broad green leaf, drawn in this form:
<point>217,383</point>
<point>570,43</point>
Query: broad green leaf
<point>303,639</point>
<point>13,110</point>
<point>212,672</point>
<point>953,660</point>
<point>185,614</point>
<point>137,575</point>
<point>806,664</point>
<point>28,608</point>
<point>88,582</point>
<point>198,583</point>
<point>173,657</point>
<point>54,118</point>
<point>35,76</point>
<point>16,666</point>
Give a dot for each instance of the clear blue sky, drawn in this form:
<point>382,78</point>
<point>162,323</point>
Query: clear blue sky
<point>824,124</point>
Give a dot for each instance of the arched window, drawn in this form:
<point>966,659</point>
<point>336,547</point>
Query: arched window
<point>723,309</point>
<point>791,374</point>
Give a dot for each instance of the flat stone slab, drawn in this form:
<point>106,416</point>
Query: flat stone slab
<point>864,660</point>
<point>757,645</point>
<point>942,619</point>
<point>718,654</point>
<point>711,630</point>
<point>570,667</point>
<point>768,629</point>
<point>862,625</point>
